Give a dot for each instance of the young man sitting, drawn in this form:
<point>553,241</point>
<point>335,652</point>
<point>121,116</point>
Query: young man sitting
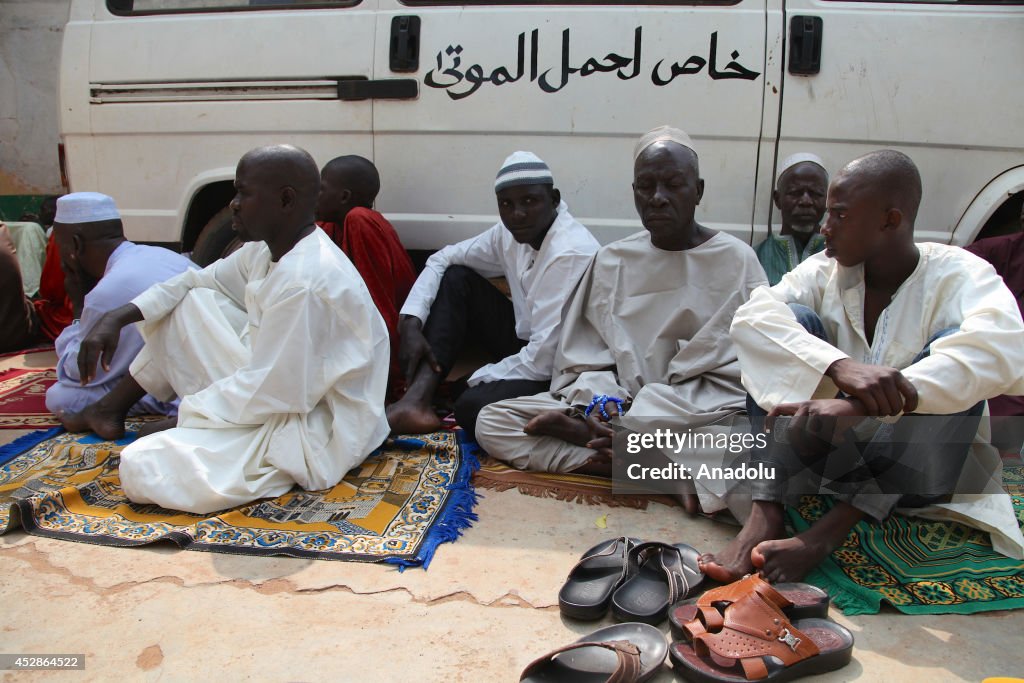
<point>875,326</point>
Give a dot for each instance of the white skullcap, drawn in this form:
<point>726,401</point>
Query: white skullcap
<point>663,134</point>
<point>85,207</point>
<point>523,168</point>
<point>799,158</point>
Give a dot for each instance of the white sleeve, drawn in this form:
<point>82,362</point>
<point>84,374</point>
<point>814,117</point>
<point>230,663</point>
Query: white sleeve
<point>481,253</point>
<point>551,292</point>
<point>228,276</point>
<point>983,358</point>
<point>782,362</point>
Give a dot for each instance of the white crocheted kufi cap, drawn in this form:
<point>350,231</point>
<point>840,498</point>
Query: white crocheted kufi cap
<point>85,207</point>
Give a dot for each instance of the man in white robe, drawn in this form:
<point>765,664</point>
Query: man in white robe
<point>541,251</point>
<point>277,352</point>
<point>648,326</point>
<point>902,328</point>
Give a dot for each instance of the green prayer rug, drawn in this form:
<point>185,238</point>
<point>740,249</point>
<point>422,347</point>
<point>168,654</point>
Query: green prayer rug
<point>408,497</point>
<point>918,566</point>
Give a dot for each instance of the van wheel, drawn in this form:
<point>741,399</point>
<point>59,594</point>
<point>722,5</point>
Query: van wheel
<point>216,240</point>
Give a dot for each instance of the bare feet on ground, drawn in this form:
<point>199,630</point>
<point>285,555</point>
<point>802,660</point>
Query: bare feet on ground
<point>791,559</point>
<point>557,424</point>
<point>107,424</point>
<point>157,426</point>
<point>734,561</point>
<point>408,418</point>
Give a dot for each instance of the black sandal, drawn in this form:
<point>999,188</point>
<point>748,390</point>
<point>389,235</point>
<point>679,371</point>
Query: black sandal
<point>660,575</point>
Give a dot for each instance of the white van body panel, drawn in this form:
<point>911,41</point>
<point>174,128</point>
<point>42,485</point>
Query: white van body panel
<point>452,140</point>
<point>939,82</point>
<point>154,108</point>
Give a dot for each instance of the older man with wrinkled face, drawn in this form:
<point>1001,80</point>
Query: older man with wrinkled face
<point>646,334</point>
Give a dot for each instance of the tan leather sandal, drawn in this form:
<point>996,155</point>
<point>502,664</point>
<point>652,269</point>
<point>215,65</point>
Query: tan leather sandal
<point>796,600</point>
<point>757,642</point>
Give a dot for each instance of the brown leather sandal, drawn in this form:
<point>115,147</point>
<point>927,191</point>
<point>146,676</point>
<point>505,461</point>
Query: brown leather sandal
<point>796,600</point>
<point>623,653</point>
<point>756,642</point>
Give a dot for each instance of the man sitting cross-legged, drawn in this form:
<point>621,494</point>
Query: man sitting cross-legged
<point>542,251</point>
<point>897,328</point>
<point>277,352</point>
<point>648,325</point>
<point>348,188</point>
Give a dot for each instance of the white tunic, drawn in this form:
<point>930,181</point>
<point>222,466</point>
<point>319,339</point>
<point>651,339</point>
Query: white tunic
<point>540,281</point>
<point>282,369</point>
<point>645,324</point>
<point>950,287</point>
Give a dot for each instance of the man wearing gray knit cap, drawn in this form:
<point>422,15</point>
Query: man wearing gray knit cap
<point>646,334</point>
<point>542,251</point>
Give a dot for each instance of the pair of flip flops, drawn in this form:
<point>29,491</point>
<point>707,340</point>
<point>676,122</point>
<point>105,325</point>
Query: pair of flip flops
<point>623,653</point>
<point>751,630</point>
<point>638,580</point>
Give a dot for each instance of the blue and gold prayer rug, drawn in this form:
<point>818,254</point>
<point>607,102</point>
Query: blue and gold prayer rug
<point>408,497</point>
<point>918,566</point>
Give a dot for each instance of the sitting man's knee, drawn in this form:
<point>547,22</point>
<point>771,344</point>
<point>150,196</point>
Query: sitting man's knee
<point>458,276</point>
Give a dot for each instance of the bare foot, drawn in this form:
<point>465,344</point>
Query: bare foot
<point>791,559</point>
<point>106,423</point>
<point>406,417</point>
<point>157,426</point>
<point>734,561</point>
<point>557,424</point>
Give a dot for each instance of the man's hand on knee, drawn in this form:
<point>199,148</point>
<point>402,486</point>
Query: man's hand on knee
<point>816,426</point>
<point>102,341</point>
<point>881,390</point>
<point>414,347</point>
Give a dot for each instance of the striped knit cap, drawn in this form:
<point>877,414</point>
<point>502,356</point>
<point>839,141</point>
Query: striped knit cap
<point>523,168</point>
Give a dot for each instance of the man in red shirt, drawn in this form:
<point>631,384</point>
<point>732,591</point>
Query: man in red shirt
<point>348,188</point>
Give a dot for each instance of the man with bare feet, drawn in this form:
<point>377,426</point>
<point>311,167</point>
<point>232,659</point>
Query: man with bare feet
<point>277,352</point>
<point>647,330</point>
<point>542,251</point>
<point>875,326</point>
<point>102,271</point>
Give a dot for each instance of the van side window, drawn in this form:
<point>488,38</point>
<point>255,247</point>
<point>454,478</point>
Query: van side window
<point>128,7</point>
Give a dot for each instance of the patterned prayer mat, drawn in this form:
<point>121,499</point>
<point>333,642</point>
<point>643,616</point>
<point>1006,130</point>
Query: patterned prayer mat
<point>580,488</point>
<point>23,398</point>
<point>410,495</point>
<point>918,566</point>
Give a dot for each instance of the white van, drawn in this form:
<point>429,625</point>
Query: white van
<point>159,99</point>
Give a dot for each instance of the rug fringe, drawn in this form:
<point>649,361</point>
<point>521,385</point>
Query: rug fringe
<point>23,443</point>
<point>849,602</point>
<point>456,517</point>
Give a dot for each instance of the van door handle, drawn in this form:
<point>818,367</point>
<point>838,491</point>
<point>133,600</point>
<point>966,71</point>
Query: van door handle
<point>405,44</point>
<point>805,45</point>
<point>382,89</point>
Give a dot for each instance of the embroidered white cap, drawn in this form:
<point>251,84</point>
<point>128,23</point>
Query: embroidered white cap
<point>663,134</point>
<point>799,158</point>
<point>85,207</point>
